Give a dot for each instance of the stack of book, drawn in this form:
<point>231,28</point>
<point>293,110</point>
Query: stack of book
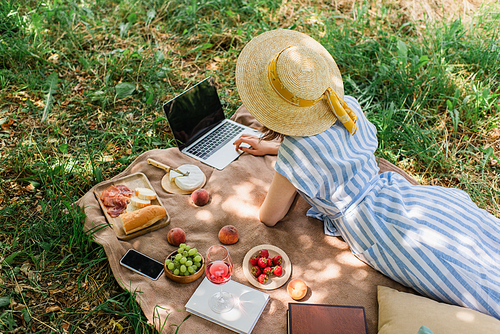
<point>319,318</point>
<point>242,318</point>
<point>302,318</point>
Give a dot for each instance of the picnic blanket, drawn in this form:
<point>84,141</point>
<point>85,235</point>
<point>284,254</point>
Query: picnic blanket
<point>333,274</point>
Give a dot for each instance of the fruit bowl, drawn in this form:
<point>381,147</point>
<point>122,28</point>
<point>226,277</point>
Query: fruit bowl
<point>274,282</point>
<point>184,279</point>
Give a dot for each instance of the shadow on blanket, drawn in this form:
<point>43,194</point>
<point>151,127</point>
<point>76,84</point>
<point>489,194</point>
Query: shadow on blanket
<point>333,274</point>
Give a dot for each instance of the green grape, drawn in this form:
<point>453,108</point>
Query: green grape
<point>186,262</point>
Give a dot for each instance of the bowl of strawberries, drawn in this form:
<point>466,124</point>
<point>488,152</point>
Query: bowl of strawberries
<point>267,267</point>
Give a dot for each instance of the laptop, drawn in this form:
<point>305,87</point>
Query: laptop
<point>200,128</point>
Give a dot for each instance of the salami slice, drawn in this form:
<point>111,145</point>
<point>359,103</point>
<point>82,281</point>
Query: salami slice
<point>115,199</point>
<point>125,190</point>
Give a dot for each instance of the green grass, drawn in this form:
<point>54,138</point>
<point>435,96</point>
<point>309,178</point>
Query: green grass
<point>81,89</point>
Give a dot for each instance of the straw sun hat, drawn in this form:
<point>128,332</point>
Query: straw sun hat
<point>291,84</point>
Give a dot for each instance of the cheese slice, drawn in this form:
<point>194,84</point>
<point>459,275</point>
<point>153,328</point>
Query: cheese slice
<point>191,182</point>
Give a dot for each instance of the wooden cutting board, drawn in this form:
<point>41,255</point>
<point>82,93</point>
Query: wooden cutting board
<point>132,181</point>
<point>170,186</point>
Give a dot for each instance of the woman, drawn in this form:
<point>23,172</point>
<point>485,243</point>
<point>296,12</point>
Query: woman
<point>433,239</point>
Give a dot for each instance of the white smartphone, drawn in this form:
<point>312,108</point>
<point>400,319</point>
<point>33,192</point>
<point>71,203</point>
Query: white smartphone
<point>142,264</point>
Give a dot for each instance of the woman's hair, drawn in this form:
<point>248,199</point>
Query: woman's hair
<point>271,135</point>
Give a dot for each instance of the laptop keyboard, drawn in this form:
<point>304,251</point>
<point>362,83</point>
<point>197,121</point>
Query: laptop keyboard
<point>215,140</point>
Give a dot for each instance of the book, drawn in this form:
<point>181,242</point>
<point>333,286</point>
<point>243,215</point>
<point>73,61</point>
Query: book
<point>248,307</point>
<point>321,318</point>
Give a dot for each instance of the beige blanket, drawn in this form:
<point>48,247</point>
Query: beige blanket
<point>333,274</point>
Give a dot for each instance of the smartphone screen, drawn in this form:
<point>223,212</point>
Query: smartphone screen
<point>142,264</point>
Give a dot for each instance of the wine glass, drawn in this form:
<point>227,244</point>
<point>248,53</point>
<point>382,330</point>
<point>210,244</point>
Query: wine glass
<point>218,271</point>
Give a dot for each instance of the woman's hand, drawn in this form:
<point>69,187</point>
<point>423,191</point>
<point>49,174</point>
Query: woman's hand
<point>257,146</point>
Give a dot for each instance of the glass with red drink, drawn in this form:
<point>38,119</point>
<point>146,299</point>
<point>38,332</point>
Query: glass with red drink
<point>218,271</point>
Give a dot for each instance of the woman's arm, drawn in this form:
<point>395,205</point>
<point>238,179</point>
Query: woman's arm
<point>281,192</point>
<point>278,200</point>
<point>257,146</point>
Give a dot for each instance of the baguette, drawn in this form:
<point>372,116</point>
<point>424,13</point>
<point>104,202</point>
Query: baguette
<point>137,220</point>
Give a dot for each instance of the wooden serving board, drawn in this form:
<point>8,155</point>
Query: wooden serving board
<point>132,181</point>
<point>171,187</point>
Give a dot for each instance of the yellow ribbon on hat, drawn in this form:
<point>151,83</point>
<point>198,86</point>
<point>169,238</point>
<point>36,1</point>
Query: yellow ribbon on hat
<point>338,106</point>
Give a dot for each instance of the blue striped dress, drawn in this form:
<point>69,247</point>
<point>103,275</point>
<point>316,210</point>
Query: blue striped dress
<point>430,238</point>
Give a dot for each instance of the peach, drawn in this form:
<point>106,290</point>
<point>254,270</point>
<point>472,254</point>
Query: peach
<point>176,236</point>
<point>297,289</point>
<point>228,235</point>
<point>200,197</point>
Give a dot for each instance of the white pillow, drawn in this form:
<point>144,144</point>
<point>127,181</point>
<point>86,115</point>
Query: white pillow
<point>401,313</point>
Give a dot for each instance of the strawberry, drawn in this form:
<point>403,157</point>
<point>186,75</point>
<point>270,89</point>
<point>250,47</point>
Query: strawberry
<point>256,271</point>
<point>263,278</point>
<point>269,262</point>
<point>262,262</point>
<point>254,259</point>
<point>278,270</point>
<point>277,260</point>
<point>268,271</point>
<point>264,253</point>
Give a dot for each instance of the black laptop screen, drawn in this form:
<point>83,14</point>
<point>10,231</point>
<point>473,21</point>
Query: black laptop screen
<point>194,112</point>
